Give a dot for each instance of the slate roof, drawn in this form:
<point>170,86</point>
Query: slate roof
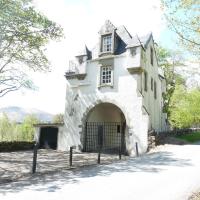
<point>125,36</point>
<point>84,52</point>
<point>138,41</point>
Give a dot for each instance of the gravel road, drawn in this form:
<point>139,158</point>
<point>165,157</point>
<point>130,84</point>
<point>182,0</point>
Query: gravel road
<point>170,172</point>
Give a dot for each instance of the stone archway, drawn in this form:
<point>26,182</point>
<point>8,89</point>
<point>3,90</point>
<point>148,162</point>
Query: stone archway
<point>101,101</point>
<point>105,121</point>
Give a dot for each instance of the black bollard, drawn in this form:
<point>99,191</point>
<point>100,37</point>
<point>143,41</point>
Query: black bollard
<point>99,157</point>
<point>100,142</point>
<point>136,147</point>
<point>36,145</point>
<point>120,153</point>
<point>70,156</point>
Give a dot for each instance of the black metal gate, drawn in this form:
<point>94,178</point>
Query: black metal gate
<point>108,137</point>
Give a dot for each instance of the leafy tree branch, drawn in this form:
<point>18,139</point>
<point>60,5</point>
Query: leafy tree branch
<point>24,34</point>
<point>183,17</point>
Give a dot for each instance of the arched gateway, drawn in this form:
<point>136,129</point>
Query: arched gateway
<point>104,127</point>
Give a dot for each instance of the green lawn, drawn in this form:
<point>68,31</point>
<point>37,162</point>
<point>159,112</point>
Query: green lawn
<point>192,137</point>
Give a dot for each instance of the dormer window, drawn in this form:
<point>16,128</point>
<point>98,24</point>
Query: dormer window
<point>107,43</point>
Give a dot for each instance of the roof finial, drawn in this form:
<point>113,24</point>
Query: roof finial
<point>108,27</point>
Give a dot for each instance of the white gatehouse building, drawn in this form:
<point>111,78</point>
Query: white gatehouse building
<point>114,94</point>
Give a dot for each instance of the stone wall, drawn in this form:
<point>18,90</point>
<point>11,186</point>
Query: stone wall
<point>161,137</point>
<point>152,137</point>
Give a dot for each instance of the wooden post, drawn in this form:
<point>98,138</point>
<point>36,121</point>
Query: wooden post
<point>120,153</point>
<point>70,156</point>
<point>99,157</point>
<point>100,142</point>
<point>35,148</point>
<point>120,132</point>
<point>85,139</point>
<point>136,147</point>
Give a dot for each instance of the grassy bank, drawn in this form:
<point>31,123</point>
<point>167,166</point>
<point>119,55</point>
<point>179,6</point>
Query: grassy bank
<point>191,137</point>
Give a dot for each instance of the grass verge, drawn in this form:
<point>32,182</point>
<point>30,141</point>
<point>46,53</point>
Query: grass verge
<point>191,137</point>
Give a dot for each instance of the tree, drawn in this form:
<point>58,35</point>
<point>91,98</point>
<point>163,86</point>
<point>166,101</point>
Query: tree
<point>185,108</point>
<point>27,129</point>
<point>179,114</point>
<point>182,106</point>
<point>24,33</point>
<point>168,61</point>
<point>5,127</point>
<point>59,118</point>
<point>12,131</point>
<point>193,98</point>
<point>183,18</point>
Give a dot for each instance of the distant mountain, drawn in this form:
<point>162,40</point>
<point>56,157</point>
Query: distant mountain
<point>18,113</point>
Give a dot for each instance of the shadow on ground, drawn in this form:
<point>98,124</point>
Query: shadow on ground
<point>53,181</point>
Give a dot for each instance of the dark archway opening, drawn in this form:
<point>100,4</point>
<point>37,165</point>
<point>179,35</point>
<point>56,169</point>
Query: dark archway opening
<point>48,137</point>
<point>105,128</point>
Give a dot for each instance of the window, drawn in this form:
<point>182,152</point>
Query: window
<point>133,51</point>
<point>106,75</point>
<point>151,84</point>
<point>151,56</point>
<point>145,81</point>
<point>142,54</point>
<point>155,90</point>
<point>107,43</point>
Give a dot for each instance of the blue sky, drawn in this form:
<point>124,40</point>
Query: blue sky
<point>81,21</point>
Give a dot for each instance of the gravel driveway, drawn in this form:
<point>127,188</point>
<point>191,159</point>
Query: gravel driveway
<point>170,172</point>
<point>15,166</point>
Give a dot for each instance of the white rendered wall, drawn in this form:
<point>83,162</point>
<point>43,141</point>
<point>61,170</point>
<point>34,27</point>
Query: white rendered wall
<point>152,105</point>
<point>123,94</point>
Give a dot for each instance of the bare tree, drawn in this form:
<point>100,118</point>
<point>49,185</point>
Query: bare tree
<point>24,32</point>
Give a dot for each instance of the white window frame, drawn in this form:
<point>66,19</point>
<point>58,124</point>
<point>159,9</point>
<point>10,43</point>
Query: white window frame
<point>107,43</point>
<point>106,76</point>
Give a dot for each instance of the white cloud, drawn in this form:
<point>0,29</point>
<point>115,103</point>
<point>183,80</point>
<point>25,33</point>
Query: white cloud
<point>81,21</point>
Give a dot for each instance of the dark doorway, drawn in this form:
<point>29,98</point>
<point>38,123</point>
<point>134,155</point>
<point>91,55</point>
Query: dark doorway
<point>48,137</point>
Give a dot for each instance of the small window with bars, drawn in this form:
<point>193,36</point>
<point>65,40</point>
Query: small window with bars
<point>155,90</point>
<point>107,43</point>
<point>145,81</point>
<point>106,75</point>
<point>151,84</point>
<point>151,56</point>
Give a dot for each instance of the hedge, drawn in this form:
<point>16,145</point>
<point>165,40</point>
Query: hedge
<point>15,146</point>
